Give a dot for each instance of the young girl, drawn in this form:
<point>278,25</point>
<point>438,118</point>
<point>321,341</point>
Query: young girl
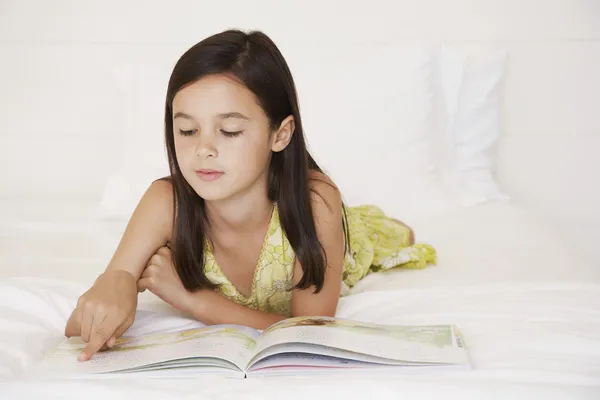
<point>247,229</point>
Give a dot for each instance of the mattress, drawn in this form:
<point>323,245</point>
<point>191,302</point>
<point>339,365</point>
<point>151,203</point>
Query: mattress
<point>527,302</point>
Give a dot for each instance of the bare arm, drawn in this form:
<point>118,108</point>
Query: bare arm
<point>327,211</point>
<point>212,308</point>
<point>149,228</point>
<point>107,309</point>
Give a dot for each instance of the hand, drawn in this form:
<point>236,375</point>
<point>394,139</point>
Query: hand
<point>160,277</point>
<point>104,312</point>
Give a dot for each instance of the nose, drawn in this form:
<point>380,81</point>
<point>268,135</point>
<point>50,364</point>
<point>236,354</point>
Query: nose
<point>206,146</point>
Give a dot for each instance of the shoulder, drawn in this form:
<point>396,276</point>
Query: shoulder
<point>325,197</point>
<point>160,193</point>
<point>157,204</point>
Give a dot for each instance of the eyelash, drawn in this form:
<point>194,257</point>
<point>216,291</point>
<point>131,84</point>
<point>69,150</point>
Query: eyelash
<point>226,133</point>
<point>231,134</point>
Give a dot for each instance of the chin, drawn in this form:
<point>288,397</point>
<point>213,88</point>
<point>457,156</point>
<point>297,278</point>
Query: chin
<point>210,192</point>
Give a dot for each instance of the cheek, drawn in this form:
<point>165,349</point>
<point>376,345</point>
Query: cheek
<point>251,156</point>
<point>184,158</point>
<point>181,150</point>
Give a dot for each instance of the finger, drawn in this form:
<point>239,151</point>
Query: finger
<point>112,341</point>
<point>124,326</point>
<point>155,261</point>
<point>101,333</point>
<point>149,270</point>
<point>87,321</point>
<point>120,330</point>
<point>144,283</point>
<point>73,327</point>
<point>141,286</point>
<point>164,251</point>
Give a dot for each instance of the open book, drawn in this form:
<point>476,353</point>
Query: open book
<point>292,346</point>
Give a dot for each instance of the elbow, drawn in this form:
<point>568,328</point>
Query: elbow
<point>321,310</point>
<point>326,313</point>
<point>329,313</point>
<point>330,309</point>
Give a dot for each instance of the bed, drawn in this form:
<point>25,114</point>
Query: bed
<point>526,299</point>
<point>527,303</point>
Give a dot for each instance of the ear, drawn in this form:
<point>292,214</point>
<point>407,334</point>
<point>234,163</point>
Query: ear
<point>282,137</point>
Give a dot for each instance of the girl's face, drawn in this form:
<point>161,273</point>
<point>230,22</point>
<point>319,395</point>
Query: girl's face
<point>223,141</point>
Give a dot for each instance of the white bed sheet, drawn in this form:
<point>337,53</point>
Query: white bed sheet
<point>528,305</point>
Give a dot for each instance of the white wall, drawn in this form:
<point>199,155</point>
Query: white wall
<point>63,105</point>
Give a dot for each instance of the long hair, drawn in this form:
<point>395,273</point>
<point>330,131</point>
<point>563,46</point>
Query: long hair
<point>254,60</point>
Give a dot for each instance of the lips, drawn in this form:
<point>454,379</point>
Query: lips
<point>209,175</point>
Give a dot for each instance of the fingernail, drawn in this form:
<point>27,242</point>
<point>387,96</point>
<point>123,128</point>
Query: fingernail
<point>82,356</point>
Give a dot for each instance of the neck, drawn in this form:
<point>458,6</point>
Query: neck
<point>244,212</point>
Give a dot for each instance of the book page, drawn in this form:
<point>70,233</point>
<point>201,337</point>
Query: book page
<point>228,345</point>
<point>313,352</point>
<point>416,344</point>
<point>305,359</point>
<point>295,364</point>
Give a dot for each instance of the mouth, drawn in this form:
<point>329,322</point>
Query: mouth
<point>209,175</point>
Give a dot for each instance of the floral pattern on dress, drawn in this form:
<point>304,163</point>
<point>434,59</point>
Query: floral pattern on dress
<point>377,243</point>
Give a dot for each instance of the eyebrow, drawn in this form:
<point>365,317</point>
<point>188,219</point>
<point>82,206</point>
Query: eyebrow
<point>222,116</point>
<point>182,115</point>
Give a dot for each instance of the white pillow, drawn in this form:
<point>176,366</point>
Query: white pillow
<point>369,120</point>
<point>472,80</point>
<point>369,116</point>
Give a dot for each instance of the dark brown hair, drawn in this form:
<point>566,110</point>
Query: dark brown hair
<point>254,60</point>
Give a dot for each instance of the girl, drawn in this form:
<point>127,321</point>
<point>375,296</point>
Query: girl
<point>247,229</point>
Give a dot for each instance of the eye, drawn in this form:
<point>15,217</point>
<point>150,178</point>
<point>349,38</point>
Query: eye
<point>187,133</point>
<point>231,134</point>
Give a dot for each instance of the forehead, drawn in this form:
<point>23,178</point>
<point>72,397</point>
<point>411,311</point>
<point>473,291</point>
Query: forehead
<point>215,94</point>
